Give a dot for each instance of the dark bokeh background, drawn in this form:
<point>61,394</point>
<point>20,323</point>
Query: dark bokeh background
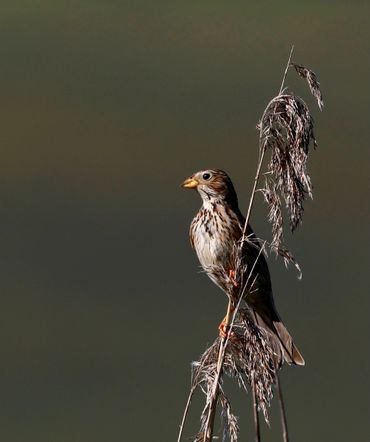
<point>105,108</point>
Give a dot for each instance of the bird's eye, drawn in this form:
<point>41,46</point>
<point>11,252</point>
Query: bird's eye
<point>206,176</point>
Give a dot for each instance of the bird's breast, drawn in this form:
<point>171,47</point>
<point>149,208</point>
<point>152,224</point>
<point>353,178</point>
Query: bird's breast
<point>213,234</point>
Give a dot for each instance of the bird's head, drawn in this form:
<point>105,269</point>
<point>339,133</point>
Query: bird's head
<point>213,185</point>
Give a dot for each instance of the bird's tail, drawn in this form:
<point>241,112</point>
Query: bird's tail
<point>291,353</point>
<point>281,339</point>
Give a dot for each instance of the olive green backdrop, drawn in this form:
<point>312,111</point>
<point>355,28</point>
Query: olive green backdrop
<point>105,108</point>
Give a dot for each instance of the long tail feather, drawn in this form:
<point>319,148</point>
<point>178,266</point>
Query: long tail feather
<point>281,339</point>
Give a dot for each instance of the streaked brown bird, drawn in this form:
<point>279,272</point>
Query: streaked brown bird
<point>214,234</point>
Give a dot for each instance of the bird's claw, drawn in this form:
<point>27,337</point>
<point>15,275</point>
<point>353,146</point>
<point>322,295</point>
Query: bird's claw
<point>224,330</point>
<point>232,277</point>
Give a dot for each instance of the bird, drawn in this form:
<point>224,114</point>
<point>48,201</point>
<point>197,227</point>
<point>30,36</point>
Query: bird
<point>214,233</point>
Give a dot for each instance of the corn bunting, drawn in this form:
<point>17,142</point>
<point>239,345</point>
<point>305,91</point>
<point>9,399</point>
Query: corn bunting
<point>215,232</point>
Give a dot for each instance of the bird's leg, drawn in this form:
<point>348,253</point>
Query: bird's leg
<point>232,276</point>
<point>225,323</point>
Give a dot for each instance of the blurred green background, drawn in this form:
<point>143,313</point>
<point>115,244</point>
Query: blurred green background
<point>105,108</point>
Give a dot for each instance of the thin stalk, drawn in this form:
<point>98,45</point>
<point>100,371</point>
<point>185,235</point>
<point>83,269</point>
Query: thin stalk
<point>255,411</point>
<point>284,422</point>
<point>208,434</point>
<point>286,71</point>
<point>251,201</point>
<point>187,406</point>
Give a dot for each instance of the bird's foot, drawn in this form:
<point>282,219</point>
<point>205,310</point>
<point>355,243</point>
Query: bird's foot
<point>232,276</point>
<point>224,329</point>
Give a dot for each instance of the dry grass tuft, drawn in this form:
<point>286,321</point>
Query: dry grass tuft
<point>312,81</point>
<point>287,132</point>
<point>248,355</point>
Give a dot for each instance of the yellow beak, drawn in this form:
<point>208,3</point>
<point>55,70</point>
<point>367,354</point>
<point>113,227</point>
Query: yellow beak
<point>190,183</point>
